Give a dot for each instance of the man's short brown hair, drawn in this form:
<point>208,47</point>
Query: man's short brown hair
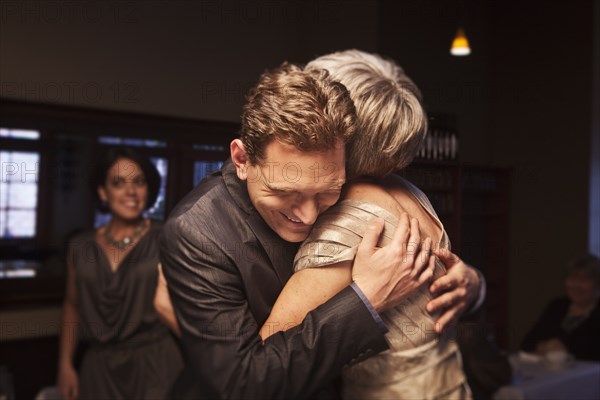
<point>306,109</point>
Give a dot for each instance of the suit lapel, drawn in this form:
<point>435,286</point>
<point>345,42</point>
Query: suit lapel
<point>280,253</point>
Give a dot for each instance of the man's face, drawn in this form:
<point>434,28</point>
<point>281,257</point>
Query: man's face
<point>291,188</point>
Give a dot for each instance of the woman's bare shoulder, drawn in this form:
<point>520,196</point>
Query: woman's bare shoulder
<point>372,192</point>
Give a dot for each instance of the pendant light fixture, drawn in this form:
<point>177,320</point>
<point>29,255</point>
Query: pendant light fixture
<point>460,44</point>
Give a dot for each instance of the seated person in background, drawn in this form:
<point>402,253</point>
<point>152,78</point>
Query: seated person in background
<point>422,361</point>
<point>571,323</point>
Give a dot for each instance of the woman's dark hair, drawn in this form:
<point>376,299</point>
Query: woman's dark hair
<point>110,157</point>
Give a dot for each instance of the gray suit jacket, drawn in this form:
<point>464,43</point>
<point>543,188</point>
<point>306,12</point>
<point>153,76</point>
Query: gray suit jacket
<point>225,268</point>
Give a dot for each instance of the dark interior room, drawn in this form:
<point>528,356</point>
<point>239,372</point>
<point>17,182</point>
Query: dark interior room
<point>518,191</point>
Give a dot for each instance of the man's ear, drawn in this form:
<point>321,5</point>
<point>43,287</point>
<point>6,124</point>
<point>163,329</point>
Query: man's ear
<point>240,159</point>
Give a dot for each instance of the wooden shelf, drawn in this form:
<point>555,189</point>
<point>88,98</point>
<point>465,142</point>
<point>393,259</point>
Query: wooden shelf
<point>475,212</point>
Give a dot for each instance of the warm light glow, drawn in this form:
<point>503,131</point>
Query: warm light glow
<point>460,44</point>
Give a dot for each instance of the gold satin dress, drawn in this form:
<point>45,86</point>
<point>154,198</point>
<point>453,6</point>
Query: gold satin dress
<point>420,364</point>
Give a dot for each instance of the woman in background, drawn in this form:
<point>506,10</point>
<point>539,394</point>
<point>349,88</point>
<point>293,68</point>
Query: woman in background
<point>571,323</point>
<point>111,280</point>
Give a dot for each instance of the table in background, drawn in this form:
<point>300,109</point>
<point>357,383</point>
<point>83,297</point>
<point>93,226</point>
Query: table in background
<point>573,381</point>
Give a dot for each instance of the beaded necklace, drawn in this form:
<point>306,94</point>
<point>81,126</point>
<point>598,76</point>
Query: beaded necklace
<point>127,240</point>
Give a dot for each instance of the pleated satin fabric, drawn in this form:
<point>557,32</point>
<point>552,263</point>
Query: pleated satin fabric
<point>420,363</point>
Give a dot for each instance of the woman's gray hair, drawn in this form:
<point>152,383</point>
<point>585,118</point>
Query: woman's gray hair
<point>391,120</point>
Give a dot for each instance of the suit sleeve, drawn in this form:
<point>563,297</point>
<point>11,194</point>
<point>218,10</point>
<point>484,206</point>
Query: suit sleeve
<point>220,335</point>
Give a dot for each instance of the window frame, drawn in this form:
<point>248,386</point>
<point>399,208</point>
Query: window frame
<point>31,146</point>
<point>180,134</point>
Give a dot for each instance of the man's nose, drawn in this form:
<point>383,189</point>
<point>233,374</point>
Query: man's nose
<point>307,211</point>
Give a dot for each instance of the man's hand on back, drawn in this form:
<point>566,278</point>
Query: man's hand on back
<point>456,291</point>
<point>389,274</point>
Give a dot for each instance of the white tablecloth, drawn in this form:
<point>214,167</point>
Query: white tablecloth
<point>574,381</point>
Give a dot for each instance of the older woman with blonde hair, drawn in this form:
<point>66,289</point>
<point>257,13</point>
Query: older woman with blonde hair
<point>422,362</point>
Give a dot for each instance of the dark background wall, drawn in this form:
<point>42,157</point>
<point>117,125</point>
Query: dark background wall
<point>540,118</point>
<point>522,99</point>
<point>180,58</point>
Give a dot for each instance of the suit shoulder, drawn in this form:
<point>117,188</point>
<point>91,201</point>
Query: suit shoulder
<point>200,194</point>
<point>208,213</point>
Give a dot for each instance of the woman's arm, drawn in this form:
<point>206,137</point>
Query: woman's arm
<point>163,305</point>
<point>309,288</point>
<point>304,291</point>
<point>68,382</point>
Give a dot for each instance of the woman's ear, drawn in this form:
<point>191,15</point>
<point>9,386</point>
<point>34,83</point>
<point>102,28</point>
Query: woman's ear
<point>240,159</point>
<point>102,194</point>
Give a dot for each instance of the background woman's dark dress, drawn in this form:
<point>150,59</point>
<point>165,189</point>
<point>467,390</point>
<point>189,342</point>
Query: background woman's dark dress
<point>131,355</point>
